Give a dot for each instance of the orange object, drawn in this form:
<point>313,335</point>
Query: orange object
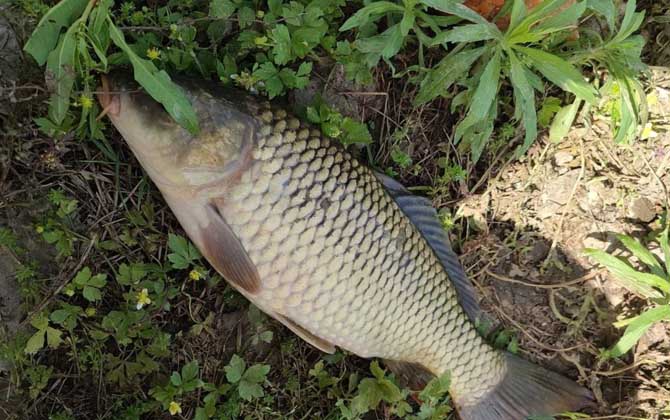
<point>489,8</point>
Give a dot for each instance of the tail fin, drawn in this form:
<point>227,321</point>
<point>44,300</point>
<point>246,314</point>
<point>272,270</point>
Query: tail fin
<point>528,390</point>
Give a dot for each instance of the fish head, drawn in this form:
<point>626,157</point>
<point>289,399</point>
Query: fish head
<point>172,156</point>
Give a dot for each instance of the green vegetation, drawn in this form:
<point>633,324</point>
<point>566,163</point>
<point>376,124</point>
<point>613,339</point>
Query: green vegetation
<point>112,321</point>
<point>652,284</point>
<point>275,47</point>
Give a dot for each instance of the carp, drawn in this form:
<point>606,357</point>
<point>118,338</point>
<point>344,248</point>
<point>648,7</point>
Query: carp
<point>340,254</point>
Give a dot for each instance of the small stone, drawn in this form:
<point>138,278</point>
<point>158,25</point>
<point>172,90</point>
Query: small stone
<point>562,158</point>
<point>642,209</point>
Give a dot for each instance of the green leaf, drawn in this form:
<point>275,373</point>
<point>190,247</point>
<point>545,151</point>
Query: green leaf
<point>519,11</point>
<point>221,8</point>
<point>561,73</point>
<point>664,242</point>
<point>158,84</point>
<point>643,254</point>
<point>35,342</point>
<point>235,369</point>
<point>563,121</point>
<point>46,34</point>
<point>256,373</point>
<point>175,379</point>
<point>631,22</point>
<point>605,8</point>
<point>446,73</point>
<point>394,41</point>
<point>456,8</point>
<point>60,67</point>
<point>524,98</point>
<point>541,11</point>
<point>407,22</point>
<point>190,371</point>
<point>550,106</point>
<point>484,96</point>
<point>82,277</point>
<point>53,337</point>
<point>91,294</point>
<point>354,132</point>
<point>641,283</point>
<point>468,33</point>
<point>436,388</point>
<point>99,280</point>
<point>249,390</point>
<point>282,44</point>
<point>370,13</point>
<point>566,19</point>
<point>637,327</point>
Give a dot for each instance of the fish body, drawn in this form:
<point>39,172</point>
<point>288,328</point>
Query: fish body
<point>340,254</point>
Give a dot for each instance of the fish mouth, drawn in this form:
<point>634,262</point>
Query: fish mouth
<point>109,100</point>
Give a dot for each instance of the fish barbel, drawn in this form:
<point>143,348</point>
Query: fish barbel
<point>340,254</point>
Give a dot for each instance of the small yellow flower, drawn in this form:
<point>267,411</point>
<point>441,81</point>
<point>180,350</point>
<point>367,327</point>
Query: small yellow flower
<point>39,229</point>
<point>143,298</point>
<point>85,102</point>
<point>195,275</point>
<point>174,408</point>
<point>261,40</point>
<point>153,53</point>
<point>90,311</point>
<point>648,132</point>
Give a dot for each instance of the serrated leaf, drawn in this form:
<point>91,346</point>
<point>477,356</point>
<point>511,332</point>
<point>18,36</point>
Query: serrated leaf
<point>282,44</point>
<point>53,337</point>
<point>637,327</point>
<point>158,84</point>
<point>235,369</point>
<point>46,34</point>
<point>99,280</point>
<point>82,276</point>
<point>249,390</point>
<point>561,73</point>
<point>91,294</point>
<point>221,8</point>
<point>175,379</point>
<point>256,373</point>
<point>190,371</point>
<point>35,343</point>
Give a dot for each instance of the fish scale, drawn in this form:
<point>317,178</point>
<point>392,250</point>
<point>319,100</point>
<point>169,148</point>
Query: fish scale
<point>342,255</point>
<point>365,249</point>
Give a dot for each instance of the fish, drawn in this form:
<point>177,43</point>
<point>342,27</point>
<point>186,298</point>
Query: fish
<point>341,254</point>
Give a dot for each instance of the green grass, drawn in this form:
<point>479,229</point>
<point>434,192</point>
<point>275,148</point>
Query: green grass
<point>134,320</point>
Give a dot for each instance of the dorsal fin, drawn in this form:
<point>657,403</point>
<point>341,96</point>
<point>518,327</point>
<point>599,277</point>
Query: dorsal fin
<point>421,213</point>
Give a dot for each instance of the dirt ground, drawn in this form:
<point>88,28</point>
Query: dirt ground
<point>520,227</point>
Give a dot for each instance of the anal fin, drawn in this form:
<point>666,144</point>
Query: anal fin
<point>225,252</point>
<point>411,375</point>
<point>318,342</point>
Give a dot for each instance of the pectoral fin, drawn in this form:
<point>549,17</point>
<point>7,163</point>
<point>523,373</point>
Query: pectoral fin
<point>225,252</point>
<point>318,342</point>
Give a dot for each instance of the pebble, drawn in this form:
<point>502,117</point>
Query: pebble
<point>562,158</point>
<point>642,209</point>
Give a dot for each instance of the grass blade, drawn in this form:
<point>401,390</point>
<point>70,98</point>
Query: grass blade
<point>637,327</point>
<point>640,283</point>
<point>642,254</point>
<point>456,8</point>
<point>158,84</point>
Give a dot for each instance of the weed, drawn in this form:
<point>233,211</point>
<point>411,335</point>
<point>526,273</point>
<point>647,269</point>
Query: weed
<point>653,285</point>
